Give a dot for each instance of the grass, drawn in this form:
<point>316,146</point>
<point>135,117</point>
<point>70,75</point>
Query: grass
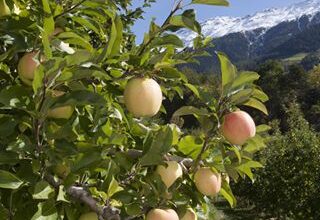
<point>295,58</point>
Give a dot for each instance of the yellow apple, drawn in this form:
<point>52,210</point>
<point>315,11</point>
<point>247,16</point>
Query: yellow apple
<point>170,173</point>
<point>162,214</point>
<point>238,127</point>
<point>189,215</point>
<point>4,9</point>
<point>207,182</point>
<point>143,97</point>
<point>89,216</point>
<point>27,66</point>
<point>63,112</point>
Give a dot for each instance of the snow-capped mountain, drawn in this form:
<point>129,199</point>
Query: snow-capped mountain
<point>275,33</point>
<point>221,26</point>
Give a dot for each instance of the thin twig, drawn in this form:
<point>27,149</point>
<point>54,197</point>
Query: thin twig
<point>199,157</point>
<point>173,11</point>
<point>70,9</point>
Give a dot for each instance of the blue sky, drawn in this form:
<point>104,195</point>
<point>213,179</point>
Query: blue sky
<point>161,9</point>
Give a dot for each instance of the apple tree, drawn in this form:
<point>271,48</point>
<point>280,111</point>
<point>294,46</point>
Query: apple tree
<point>82,134</point>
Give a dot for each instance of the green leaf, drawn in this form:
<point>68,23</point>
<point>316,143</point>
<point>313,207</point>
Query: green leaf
<point>84,160</point>
<point>38,79</point>
<point>114,187</point>
<point>9,180</point>
<point>86,23</point>
<point>160,145</point>
<point>247,166</point>
<point>116,37</point>
<point>7,127</point>
<point>211,2</point>
<point>260,95</point>
<point>254,103</point>
<point>73,38</point>
<point>262,128</point>
<point>15,96</point>
<point>79,98</point>
<point>43,190</point>
<point>190,145</point>
<point>189,110</point>
<point>226,192</point>
<point>9,158</point>
<point>4,213</point>
<point>48,28</point>
<point>46,211</point>
<point>228,70</point>
<point>62,194</point>
<point>133,209</point>
<point>244,78</point>
<point>171,73</point>
<point>254,144</point>
<point>169,39</point>
<point>193,89</point>
<point>241,96</point>
<point>187,20</point>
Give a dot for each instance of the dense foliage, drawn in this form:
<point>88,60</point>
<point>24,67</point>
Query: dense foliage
<point>68,145</point>
<point>289,185</point>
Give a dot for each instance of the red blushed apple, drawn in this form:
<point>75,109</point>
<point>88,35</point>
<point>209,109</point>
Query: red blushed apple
<point>238,127</point>
<point>162,214</point>
<point>143,97</point>
<point>207,182</point>
<point>27,66</point>
<point>189,215</point>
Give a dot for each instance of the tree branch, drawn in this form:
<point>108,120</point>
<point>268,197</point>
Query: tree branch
<point>79,193</point>
<point>70,9</point>
<point>174,10</point>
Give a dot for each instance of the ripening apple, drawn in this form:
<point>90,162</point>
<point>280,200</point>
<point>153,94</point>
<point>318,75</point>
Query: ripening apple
<point>189,215</point>
<point>56,31</point>
<point>207,181</point>
<point>89,216</point>
<point>27,66</point>
<point>162,214</point>
<point>238,127</point>
<point>4,9</point>
<point>63,112</point>
<point>143,97</point>
<point>170,173</point>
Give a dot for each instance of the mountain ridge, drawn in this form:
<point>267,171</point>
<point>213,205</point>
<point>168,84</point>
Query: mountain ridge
<point>296,33</point>
<point>266,19</point>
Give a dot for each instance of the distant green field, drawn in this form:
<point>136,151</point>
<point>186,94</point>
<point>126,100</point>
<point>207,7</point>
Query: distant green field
<point>295,58</point>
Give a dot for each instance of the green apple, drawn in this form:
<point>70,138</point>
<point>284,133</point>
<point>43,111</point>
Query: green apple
<point>143,97</point>
<point>170,173</point>
<point>89,216</point>
<point>63,112</point>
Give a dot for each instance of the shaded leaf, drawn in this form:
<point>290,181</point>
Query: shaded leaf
<point>9,180</point>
